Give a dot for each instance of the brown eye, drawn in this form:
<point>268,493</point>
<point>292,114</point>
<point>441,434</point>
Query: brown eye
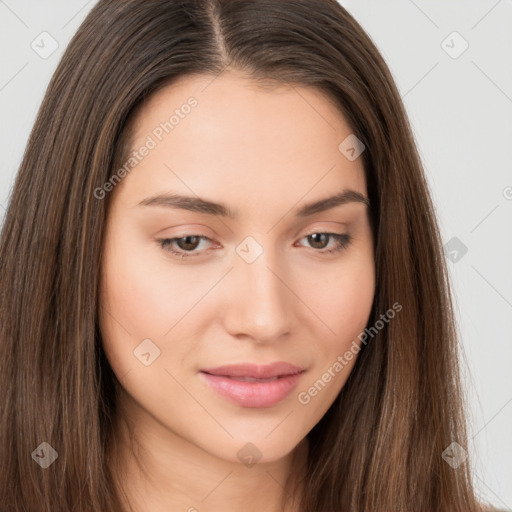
<point>188,243</point>
<point>184,246</point>
<point>321,240</point>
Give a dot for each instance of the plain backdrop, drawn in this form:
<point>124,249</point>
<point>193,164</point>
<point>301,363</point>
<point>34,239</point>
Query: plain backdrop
<point>452,62</point>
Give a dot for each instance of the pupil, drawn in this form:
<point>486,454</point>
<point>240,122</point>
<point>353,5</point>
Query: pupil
<point>318,235</point>
<point>188,242</point>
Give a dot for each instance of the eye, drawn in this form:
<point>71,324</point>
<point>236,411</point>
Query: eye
<point>317,241</point>
<point>187,245</point>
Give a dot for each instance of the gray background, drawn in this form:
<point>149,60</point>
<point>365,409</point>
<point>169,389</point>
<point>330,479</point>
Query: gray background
<point>460,106</point>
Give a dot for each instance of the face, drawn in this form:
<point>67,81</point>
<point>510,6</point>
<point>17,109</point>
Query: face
<point>249,276</point>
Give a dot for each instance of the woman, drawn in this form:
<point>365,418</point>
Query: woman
<point>221,272</point>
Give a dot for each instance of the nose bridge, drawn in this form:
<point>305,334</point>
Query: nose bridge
<point>260,303</point>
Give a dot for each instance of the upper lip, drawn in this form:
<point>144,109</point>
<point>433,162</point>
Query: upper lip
<point>255,371</point>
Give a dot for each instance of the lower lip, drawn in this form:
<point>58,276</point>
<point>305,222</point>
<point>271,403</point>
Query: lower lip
<point>253,394</point>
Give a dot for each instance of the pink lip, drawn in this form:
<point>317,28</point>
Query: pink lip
<point>226,381</point>
<point>255,371</point>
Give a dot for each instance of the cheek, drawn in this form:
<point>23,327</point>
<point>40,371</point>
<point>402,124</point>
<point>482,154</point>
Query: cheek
<point>344,304</point>
<point>134,303</point>
<point>341,298</point>
<point>342,301</point>
<point>350,308</point>
<point>145,296</point>
<point>141,292</point>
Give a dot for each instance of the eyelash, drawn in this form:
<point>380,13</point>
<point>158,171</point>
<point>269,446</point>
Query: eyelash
<point>342,242</point>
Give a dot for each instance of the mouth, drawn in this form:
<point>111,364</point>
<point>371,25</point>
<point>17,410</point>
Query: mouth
<point>254,371</point>
<point>249,379</point>
<point>253,386</point>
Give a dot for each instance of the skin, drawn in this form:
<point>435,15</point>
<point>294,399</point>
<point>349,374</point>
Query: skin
<point>263,153</point>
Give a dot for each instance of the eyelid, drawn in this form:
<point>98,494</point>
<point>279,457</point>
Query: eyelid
<point>318,229</point>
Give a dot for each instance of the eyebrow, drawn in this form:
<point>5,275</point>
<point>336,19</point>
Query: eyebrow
<point>199,205</point>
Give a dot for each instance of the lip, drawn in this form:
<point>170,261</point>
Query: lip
<point>230,382</point>
<point>251,370</point>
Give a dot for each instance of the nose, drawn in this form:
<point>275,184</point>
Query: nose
<point>260,303</point>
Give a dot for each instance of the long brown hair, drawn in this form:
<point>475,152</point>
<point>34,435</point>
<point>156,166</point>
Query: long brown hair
<point>380,445</point>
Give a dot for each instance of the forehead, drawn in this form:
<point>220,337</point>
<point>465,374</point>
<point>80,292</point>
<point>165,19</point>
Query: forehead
<point>274,141</point>
<point>236,100</point>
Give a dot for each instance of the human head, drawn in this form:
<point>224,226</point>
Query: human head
<point>384,420</point>
<point>286,298</point>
